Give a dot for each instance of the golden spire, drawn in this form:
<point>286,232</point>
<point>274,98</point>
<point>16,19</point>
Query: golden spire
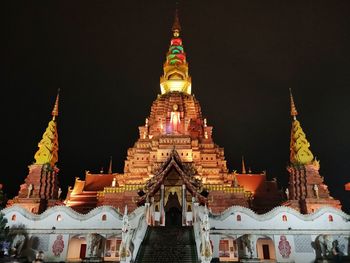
<point>175,68</point>
<point>300,153</point>
<point>48,146</point>
<point>110,166</point>
<point>243,166</point>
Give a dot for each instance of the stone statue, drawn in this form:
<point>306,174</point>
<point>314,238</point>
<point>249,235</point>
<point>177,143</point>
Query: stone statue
<point>326,245</point>
<point>287,193</point>
<point>30,189</point>
<point>59,193</point>
<point>316,190</point>
<point>206,249</point>
<point>248,242</point>
<point>124,249</point>
<point>94,245</point>
<point>17,244</point>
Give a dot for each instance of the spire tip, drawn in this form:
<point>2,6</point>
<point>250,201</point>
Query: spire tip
<point>293,109</point>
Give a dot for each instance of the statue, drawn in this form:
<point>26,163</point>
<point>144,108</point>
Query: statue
<point>59,193</point>
<point>326,245</point>
<point>124,250</point>
<point>316,190</point>
<point>175,119</point>
<point>206,249</point>
<point>287,193</point>
<point>249,245</point>
<point>30,189</point>
<point>94,245</point>
<point>17,244</point>
<point>114,182</point>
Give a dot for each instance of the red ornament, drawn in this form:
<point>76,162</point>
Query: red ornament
<point>58,246</point>
<point>284,247</point>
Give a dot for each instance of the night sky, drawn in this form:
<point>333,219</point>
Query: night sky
<point>107,57</point>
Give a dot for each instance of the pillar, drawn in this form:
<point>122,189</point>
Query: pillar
<point>184,209</point>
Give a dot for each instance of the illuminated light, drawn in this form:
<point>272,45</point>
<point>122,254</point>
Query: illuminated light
<point>59,218</point>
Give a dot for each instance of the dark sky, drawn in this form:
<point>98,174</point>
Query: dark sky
<point>107,57</point>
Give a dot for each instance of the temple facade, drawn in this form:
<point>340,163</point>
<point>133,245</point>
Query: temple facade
<point>175,175</point>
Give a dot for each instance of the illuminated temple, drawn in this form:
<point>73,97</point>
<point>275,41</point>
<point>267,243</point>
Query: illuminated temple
<point>176,175</point>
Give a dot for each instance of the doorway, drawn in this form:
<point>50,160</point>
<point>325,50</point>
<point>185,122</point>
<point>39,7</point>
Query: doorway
<point>173,214</point>
<point>266,251</point>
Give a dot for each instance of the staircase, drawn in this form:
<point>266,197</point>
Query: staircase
<point>174,244</point>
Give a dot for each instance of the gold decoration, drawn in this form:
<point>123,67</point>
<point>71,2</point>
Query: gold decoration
<point>299,146</point>
<point>48,146</point>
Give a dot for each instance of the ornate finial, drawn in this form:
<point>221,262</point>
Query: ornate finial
<point>293,109</point>
<point>176,28</point>
<point>243,166</point>
<point>55,107</point>
<point>110,166</point>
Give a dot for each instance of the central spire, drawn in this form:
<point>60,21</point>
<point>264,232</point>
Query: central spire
<point>175,77</point>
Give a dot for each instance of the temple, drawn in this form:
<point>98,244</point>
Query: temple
<point>176,187</point>
<point>175,158</point>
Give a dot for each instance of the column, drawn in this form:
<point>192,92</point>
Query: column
<point>161,208</point>
<point>184,209</point>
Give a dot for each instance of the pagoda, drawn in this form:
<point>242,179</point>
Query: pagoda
<point>175,161</point>
<point>307,191</point>
<point>40,189</point>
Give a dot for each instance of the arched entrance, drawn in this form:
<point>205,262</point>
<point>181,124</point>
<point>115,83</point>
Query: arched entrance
<point>266,249</point>
<point>173,214</point>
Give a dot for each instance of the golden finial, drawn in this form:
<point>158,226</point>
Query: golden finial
<point>293,109</point>
<point>176,25</point>
<point>243,166</point>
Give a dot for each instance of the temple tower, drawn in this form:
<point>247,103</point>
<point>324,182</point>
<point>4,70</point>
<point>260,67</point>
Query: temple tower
<point>306,191</point>
<point>175,162</point>
<point>40,189</point>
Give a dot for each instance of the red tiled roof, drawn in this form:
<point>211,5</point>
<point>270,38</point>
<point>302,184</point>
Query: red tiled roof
<point>251,182</point>
<point>96,182</point>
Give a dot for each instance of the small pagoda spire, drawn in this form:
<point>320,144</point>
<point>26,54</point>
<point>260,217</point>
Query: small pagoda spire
<point>293,109</point>
<point>243,166</point>
<point>300,154</point>
<point>110,166</point>
<point>176,28</point>
<point>48,146</point>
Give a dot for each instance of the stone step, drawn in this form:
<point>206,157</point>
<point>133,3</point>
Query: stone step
<point>168,245</point>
